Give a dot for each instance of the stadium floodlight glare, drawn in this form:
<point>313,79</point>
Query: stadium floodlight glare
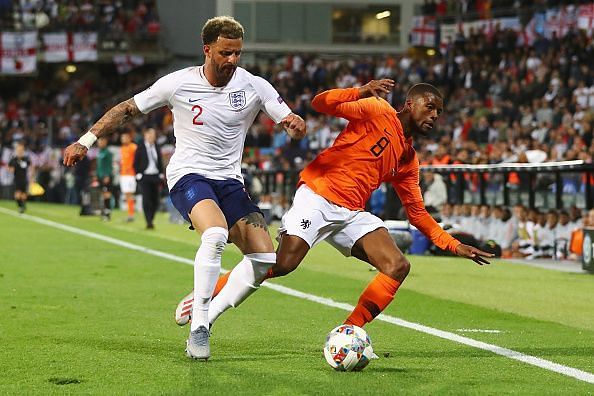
<point>383,14</point>
<point>70,69</point>
<point>431,52</point>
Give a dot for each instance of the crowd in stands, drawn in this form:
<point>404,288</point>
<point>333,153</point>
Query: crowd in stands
<point>51,113</point>
<point>481,8</point>
<point>111,18</point>
<point>485,9</point>
<point>520,232</point>
<point>505,102</point>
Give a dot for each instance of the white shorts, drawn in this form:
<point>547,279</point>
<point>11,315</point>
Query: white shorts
<point>313,219</point>
<point>128,184</point>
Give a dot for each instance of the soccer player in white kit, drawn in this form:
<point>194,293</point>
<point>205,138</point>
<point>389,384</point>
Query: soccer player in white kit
<point>213,106</point>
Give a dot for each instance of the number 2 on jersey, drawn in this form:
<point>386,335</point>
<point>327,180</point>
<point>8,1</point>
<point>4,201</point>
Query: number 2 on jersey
<point>195,119</point>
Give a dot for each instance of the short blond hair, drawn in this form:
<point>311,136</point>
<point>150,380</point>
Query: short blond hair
<point>223,26</point>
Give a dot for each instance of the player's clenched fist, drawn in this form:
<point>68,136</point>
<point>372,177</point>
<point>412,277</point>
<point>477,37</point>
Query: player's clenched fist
<point>376,88</point>
<point>74,153</point>
<point>294,125</point>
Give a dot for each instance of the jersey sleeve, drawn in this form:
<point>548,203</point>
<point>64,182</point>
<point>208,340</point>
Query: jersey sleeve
<point>418,216</point>
<point>345,103</point>
<point>272,103</point>
<point>157,95</point>
<point>406,182</point>
<point>407,187</point>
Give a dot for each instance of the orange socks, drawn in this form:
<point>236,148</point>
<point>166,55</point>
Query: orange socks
<point>130,202</point>
<point>375,298</point>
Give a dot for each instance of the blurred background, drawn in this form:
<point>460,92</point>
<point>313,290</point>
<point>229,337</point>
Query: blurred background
<point>516,75</point>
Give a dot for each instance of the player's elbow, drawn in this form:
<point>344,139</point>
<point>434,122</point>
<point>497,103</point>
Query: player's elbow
<point>319,102</point>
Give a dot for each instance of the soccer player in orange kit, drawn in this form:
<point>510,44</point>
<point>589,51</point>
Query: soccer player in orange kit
<point>127,172</point>
<point>374,147</point>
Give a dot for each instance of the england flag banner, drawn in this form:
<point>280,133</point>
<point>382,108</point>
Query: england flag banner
<point>18,52</point>
<point>423,32</point>
<point>125,63</point>
<point>559,21</point>
<point>585,19</point>
<point>70,47</point>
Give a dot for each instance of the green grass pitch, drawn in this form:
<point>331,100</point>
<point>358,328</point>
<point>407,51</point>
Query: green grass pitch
<point>78,315</point>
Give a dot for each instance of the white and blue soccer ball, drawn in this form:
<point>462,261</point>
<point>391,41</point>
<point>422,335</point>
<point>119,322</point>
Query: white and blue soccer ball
<point>348,348</point>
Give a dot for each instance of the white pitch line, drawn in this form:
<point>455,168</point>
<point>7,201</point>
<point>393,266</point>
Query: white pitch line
<point>532,360</point>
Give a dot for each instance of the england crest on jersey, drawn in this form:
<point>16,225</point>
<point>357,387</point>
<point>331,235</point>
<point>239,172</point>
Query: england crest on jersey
<point>237,100</point>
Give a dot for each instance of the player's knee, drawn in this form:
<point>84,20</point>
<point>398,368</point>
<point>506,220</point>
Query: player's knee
<point>261,263</point>
<point>214,240</point>
<point>397,267</point>
<point>284,265</point>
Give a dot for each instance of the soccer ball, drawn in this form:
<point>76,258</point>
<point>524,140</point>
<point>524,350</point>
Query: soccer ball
<point>348,348</point>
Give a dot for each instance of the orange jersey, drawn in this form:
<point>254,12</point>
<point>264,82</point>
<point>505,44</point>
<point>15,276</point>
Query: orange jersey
<point>371,149</point>
<point>127,153</point>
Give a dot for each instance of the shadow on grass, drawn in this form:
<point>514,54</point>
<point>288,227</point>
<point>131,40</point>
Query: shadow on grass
<point>63,380</point>
<point>150,347</point>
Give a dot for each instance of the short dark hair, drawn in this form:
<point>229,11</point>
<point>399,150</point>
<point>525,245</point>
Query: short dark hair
<point>224,26</point>
<point>421,89</point>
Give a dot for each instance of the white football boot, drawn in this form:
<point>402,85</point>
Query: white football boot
<point>198,345</point>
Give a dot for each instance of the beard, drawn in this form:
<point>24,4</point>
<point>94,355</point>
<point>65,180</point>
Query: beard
<point>224,73</point>
<point>420,131</point>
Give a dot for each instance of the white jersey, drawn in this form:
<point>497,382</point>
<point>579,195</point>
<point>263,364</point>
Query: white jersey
<point>210,123</point>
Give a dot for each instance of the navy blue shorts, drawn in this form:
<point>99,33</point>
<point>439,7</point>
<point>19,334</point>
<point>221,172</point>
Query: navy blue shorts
<point>230,195</point>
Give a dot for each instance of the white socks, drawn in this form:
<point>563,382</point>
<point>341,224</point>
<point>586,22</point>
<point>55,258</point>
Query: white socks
<point>244,279</point>
<point>207,267</point>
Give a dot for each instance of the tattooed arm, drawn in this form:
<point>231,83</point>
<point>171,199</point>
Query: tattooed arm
<point>116,116</point>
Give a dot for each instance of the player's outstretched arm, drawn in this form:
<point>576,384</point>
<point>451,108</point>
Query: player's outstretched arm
<point>295,126</point>
<point>418,216</point>
<point>116,116</point>
<point>476,255</point>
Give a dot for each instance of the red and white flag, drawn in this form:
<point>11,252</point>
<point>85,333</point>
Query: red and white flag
<point>448,34</point>
<point>18,52</point>
<point>559,21</point>
<point>125,63</point>
<point>527,35</point>
<point>423,32</point>
<point>585,18</point>
<point>70,47</point>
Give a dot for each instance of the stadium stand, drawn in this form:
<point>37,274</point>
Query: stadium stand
<point>506,102</point>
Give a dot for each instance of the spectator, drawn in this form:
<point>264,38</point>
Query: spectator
<point>447,217</point>
<point>436,193</point>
